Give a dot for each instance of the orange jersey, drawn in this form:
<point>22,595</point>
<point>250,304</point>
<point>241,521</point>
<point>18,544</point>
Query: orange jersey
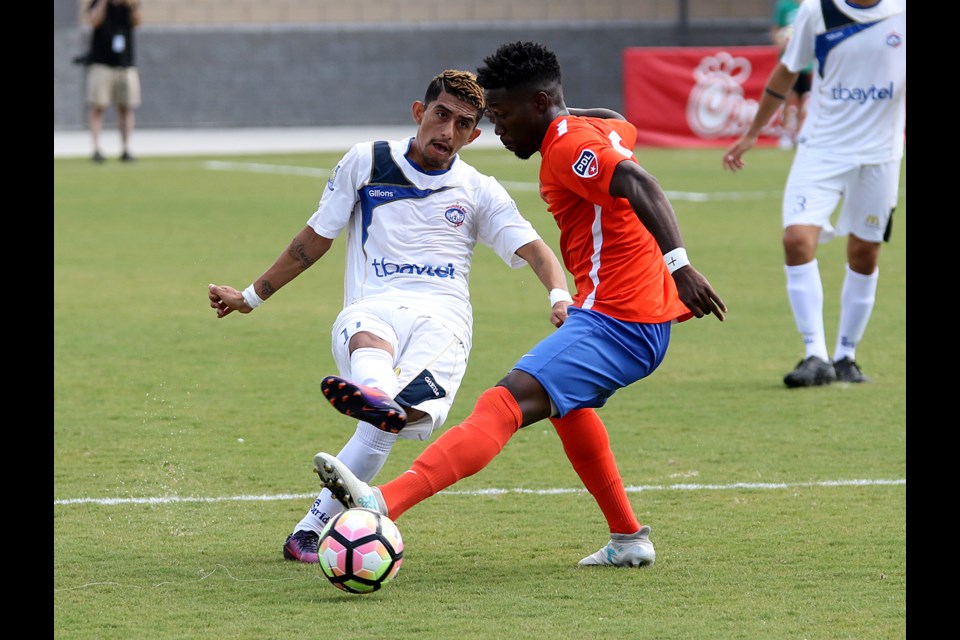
<point>617,266</point>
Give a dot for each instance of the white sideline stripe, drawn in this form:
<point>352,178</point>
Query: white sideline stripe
<point>688,196</point>
<point>259,167</point>
<point>494,492</point>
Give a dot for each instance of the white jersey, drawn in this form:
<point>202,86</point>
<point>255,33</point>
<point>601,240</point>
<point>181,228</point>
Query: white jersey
<point>857,105</point>
<point>411,233</point>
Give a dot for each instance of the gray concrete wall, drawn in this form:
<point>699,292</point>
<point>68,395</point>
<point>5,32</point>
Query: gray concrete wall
<point>323,75</point>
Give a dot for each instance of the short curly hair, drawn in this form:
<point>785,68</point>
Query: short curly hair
<point>519,64</point>
<point>460,84</point>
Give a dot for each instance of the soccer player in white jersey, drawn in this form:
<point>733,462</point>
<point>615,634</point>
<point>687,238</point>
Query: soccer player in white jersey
<point>850,149</point>
<point>411,212</point>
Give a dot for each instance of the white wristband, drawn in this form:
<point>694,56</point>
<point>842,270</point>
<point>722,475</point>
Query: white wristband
<point>676,259</point>
<point>251,298</point>
<point>556,295</point>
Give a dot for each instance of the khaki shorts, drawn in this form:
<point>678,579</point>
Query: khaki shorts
<point>113,85</point>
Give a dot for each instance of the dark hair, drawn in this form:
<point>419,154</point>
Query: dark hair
<point>519,64</point>
<point>460,84</point>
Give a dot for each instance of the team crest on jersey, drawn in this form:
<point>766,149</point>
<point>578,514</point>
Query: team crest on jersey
<point>894,39</point>
<point>455,214</point>
<point>587,165</point>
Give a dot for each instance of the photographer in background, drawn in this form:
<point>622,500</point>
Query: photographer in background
<point>112,76</point>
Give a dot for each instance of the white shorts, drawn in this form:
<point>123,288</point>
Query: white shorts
<point>430,359</point>
<point>869,192</point>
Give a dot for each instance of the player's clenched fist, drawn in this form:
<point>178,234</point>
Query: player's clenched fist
<point>226,300</point>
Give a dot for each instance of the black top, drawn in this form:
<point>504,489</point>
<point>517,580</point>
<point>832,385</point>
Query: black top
<point>113,43</point>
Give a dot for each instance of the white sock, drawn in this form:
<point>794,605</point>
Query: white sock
<point>805,292</point>
<point>374,368</point>
<point>364,454</point>
<point>856,304</point>
<point>367,450</point>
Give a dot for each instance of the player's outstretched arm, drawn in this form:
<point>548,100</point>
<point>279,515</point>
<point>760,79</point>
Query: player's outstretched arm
<point>306,248</point>
<point>545,264</point>
<point>652,206</point>
<point>778,85</point>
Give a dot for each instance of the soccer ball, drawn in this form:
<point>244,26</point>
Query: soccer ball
<point>360,550</point>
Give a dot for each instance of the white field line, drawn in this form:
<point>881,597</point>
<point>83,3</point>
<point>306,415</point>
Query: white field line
<point>258,167</point>
<point>492,492</point>
<point>688,196</point>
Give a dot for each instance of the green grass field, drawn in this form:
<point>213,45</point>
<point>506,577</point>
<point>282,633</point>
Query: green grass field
<point>183,444</point>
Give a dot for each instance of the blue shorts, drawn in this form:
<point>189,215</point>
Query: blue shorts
<point>591,355</point>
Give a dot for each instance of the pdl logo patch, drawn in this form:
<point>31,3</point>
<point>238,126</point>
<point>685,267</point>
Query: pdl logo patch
<point>586,165</point>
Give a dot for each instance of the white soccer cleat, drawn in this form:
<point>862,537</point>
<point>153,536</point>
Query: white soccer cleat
<point>350,490</point>
<point>634,550</point>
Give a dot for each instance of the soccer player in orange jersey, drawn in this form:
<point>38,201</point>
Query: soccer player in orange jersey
<point>620,239</point>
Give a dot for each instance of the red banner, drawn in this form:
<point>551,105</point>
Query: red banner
<point>696,96</point>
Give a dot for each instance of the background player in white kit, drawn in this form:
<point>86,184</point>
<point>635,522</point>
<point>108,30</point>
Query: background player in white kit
<point>412,211</point>
<point>850,148</point>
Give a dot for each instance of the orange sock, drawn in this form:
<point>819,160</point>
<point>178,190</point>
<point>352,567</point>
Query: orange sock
<point>587,445</point>
<point>460,452</point>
